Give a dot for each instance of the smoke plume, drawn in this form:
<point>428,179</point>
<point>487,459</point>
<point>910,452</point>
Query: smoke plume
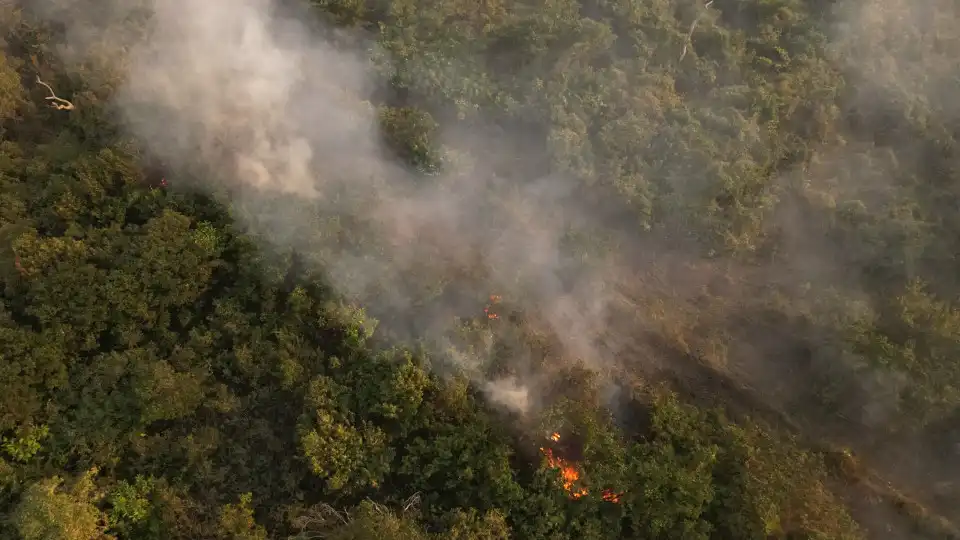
<point>243,97</point>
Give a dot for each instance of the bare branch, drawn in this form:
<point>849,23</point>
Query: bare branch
<point>692,28</point>
<point>57,103</point>
<point>412,502</point>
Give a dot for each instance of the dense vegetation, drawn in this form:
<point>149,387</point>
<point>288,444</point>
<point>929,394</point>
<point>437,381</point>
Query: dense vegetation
<point>773,181</point>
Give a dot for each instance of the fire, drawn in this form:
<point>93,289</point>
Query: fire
<point>494,299</point>
<point>569,475</point>
<point>609,496</point>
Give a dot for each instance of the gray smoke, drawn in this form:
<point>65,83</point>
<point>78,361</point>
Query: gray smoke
<point>254,103</point>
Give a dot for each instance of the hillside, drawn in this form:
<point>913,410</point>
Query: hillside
<point>529,269</point>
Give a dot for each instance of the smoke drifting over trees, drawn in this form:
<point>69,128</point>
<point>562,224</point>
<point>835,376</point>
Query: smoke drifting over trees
<point>608,219</point>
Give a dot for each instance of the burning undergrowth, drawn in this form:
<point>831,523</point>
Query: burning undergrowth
<point>559,455</point>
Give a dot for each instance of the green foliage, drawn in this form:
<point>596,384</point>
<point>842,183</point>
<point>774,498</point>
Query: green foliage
<point>11,91</point>
<point>47,512</point>
<point>27,442</point>
<point>469,525</point>
<point>236,521</point>
<point>347,456</point>
<point>130,503</point>
<point>226,392</point>
<point>408,132</point>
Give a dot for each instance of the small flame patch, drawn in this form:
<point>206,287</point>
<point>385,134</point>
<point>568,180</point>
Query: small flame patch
<point>570,474</point>
<point>488,310</point>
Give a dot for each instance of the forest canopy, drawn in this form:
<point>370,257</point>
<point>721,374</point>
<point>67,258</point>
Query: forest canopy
<point>508,269</point>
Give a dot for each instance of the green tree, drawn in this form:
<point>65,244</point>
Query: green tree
<point>48,512</point>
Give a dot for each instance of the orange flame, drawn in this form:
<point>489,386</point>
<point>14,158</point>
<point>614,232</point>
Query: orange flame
<point>609,496</point>
<point>494,299</point>
<point>569,475</point>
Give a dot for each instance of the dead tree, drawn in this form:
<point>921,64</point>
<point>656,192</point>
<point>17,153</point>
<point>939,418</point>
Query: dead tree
<point>692,28</point>
<point>57,103</point>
